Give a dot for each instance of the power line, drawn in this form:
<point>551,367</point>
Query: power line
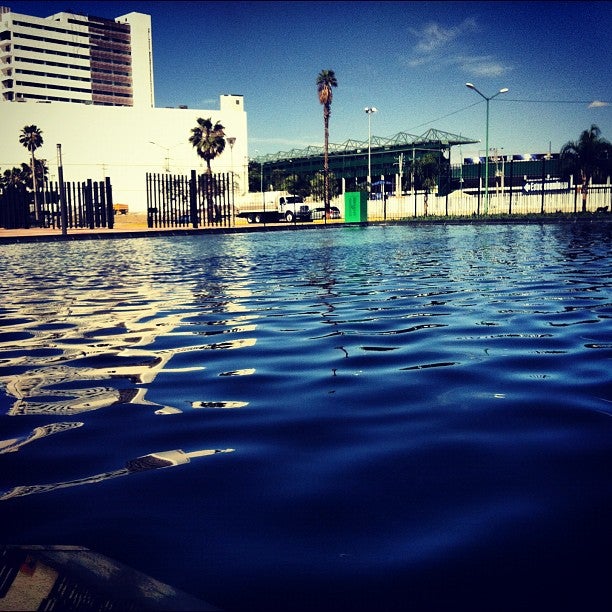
<point>597,102</point>
<point>445,116</point>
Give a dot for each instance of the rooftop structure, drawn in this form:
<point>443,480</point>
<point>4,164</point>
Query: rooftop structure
<point>402,141</point>
<point>351,160</point>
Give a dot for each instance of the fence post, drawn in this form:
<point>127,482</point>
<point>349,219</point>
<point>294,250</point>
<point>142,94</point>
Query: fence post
<point>575,199</point>
<point>96,203</point>
<point>193,200</point>
<point>89,213</point>
<point>543,183</point>
<point>62,189</point>
<point>511,185</point>
<point>479,188</point>
<point>150,199</point>
<point>110,213</point>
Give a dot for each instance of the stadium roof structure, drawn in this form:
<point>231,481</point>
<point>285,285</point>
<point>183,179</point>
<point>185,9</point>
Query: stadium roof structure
<point>431,139</point>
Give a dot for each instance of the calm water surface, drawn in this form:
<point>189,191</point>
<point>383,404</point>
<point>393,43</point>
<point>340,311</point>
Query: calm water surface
<point>413,418</point>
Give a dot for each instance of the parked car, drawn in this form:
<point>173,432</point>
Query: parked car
<point>319,213</point>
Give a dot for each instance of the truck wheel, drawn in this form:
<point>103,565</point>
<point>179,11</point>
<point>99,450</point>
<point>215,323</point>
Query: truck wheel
<point>289,216</point>
<point>258,218</point>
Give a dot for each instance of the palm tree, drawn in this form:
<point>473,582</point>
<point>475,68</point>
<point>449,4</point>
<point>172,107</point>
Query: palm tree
<point>15,178</point>
<point>587,156</point>
<point>209,142</point>
<point>325,81</point>
<point>31,138</point>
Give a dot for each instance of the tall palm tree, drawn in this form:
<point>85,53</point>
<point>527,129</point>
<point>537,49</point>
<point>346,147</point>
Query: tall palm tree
<point>325,81</point>
<point>31,138</point>
<point>209,142</point>
<point>586,156</point>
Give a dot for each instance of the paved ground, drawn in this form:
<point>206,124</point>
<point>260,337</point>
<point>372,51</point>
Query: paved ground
<point>133,225</point>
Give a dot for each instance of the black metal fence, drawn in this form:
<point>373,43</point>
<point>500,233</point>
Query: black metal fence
<point>89,204</point>
<point>177,200</point>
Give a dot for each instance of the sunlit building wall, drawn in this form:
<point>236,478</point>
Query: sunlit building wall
<point>87,83</point>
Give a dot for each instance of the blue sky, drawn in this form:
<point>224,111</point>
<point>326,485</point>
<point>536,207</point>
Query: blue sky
<point>410,60</point>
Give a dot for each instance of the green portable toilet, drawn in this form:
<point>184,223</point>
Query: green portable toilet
<point>355,206</point>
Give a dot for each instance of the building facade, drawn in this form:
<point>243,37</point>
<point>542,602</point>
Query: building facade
<point>87,84</point>
<point>78,59</point>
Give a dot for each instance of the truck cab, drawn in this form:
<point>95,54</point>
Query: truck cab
<point>292,207</point>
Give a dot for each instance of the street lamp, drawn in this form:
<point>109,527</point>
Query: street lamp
<point>488,99</point>
<point>232,140</point>
<point>369,110</point>
<point>167,150</point>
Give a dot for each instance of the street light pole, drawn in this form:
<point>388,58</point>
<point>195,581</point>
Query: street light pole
<point>369,110</point>
<point>488,99</point>
<point>232,140</point>
<point>167,150</point>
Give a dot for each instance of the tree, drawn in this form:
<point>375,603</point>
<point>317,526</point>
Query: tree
<point>297,184</point>
<point>209,142</point>
<point>15,178</point>
<point>588,157</point>
<point>31,138</point>
<point>325,81</point>
<point>427,168</point>
<point>317,185</point>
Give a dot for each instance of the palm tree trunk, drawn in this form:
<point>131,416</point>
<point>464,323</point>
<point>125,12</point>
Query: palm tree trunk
<point>585,189</point>
<point>326,163</point>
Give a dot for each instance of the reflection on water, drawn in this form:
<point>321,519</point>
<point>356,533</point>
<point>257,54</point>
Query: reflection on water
<point>152,461</point>
<point>92,330</point>
<point>10,446</point>
<point>409,407</point>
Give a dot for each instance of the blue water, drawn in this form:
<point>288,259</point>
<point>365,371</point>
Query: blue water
<point>414,417</point>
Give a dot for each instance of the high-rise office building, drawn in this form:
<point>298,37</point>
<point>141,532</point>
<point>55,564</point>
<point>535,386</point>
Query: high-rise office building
<point>75,58</point>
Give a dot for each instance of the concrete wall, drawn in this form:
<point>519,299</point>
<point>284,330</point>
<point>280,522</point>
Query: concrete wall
<point>113,141</point>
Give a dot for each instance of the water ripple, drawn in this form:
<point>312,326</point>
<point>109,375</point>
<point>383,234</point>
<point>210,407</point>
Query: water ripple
<point>396,408</point>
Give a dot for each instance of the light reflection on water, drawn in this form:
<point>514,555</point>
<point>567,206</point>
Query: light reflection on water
<point>402,403</point>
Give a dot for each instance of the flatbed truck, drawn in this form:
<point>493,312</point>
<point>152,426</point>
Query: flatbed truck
<point>273,207</point>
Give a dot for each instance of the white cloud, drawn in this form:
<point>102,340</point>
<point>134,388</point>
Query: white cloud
<point>598,104</point>
<point>485,66</point>
<point>439,45</point>
<point>434,36</point>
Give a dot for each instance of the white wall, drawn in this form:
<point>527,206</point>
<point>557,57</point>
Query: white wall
<point>113,141</point>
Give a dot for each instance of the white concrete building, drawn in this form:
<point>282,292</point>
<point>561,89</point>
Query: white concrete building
<point>73,58</point>
<point>87,83</point>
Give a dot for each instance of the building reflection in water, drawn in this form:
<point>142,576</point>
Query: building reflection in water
<point>75,340</point>
<point>152,461</point>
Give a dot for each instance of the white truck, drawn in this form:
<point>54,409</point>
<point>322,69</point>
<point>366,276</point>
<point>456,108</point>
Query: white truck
<point>272,207</point>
